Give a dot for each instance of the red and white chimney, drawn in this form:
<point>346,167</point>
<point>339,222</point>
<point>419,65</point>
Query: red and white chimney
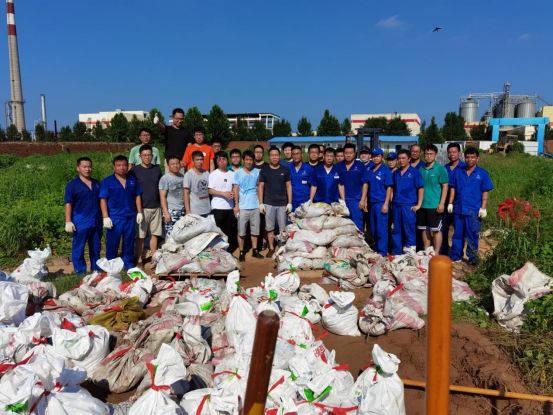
<point>16,103</point>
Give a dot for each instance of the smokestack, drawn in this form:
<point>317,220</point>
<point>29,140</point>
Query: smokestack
<point>16,103</point>
<point>43,110</point>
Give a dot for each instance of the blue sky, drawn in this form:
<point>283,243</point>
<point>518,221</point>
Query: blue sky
<point>290,57</point>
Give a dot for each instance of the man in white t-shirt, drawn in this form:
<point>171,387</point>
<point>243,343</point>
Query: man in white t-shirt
<point>222,198</point>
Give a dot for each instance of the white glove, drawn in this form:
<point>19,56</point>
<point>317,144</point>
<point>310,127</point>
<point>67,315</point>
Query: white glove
<point>482,213</point>
<point>450,208</point>
<point>288,208</point>
<point>108,224</point>
<point>139,218</point>
<point>262,208</point>
<point>70,227</point>
<point>156,119</point>
<point>342,202</point>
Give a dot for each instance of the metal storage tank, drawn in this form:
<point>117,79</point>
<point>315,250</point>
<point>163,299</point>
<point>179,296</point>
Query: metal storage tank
<point>509,110</point>
<point>469,111</point>
<point>526,109</point>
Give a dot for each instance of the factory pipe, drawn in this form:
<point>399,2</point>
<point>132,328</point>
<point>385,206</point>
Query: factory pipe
<point>16,103</point>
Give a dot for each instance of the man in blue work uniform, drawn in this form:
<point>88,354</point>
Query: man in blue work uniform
<point>407,200</point>
<point>379,179</point>
<point>300,176</point>
<point>454,156</point>
<point>82,216</point>
<point>325,179</point>
<point>468,201</point>
<point>352,190</point>
<point>121,207</point>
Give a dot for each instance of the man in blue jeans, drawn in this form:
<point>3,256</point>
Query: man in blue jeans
<point>121,207</point>
<point>468,202</point>
<point>82,216</point>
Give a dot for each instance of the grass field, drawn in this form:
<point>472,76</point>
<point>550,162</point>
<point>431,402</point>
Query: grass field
<point>32,212</point>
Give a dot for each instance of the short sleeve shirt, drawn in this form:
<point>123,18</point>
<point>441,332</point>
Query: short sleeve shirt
<point>301,182</point>
<point>174,185</point>
<point>433,178</point>
<point>148,178</point>
<point>206,150</point>
<point>274,188</point>
<point>351,179</point>
<point>222,182</point>
<point>121,200</point>
<point>134,155</point>
<point>84,201</point>
<point>379,180</point>
<point>176,141</point>
<point>469,189</point>
<point>326,183</point>
<point>406,187</point>
<point>199,195</point>
<point>247,188</point>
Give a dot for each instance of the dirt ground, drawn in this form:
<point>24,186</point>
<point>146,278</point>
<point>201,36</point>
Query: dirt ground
<point>475,360</point>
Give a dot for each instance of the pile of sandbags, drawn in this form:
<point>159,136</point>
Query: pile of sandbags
<point>319,237</point>
<point>196,246</point>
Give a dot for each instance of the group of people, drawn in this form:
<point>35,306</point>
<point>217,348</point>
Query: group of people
<point>399,203</point>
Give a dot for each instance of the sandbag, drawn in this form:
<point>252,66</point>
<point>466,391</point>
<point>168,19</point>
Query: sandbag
<point>13,302</point>
<point>323,238</point>
<point>119,315</point>
<point>314,224</point>
<point>312,210</point>
<point>313,291</point>
<point>379,390</point>
<point>339,315</point>
<point>348,241</point>
<point>240,324</point>
<point>190,226</point>
<point>33,267</point>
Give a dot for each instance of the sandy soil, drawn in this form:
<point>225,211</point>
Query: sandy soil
<point>475,360</point>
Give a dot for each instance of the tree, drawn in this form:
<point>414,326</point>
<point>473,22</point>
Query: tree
<point>66,134</point>
<point>376,122</point>
<point>304,127</point>
<point>282,128</point>
<point>98,132</point>
<point>454,127</point>
<point>118,130</point>
<point>26,136</point>
<point>40,132</point>
<point>259,132</point>
<point>346,126</point>
<point>12,134</point>
<point>478,133</point>
<point>135,125</point>
<point>240,131</point>
<point>548,133</point>
<point>193,119</point>
<point>218,125</point>
<point>79,132</point>
<point>329,125</point>
<point>2,135</point>
<point>396,126</point>
<point>431,135</point>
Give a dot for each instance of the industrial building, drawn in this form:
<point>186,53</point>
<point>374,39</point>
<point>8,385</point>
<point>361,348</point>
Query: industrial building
<point>267,118</point>
<point>105,117</point>
<point>510,116</point>
<point>412,120</point>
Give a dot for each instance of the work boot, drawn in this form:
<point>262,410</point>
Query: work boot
<point>242,256</point>
<point>256,254</point>
<point>270,253</point>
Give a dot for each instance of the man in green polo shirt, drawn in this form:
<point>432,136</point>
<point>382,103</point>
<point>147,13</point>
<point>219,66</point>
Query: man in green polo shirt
<point>429,217</point>
<point>145,136</point>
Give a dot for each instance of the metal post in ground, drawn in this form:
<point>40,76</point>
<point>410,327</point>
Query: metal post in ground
<point>439,335</point>
<point>262,361</point>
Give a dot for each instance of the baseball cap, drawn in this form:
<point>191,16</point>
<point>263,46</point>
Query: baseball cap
<point>364,149</point>
<point>391,156</point>
<point>377,151</point>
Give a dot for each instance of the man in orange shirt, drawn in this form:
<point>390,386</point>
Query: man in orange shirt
<point>199,145</point>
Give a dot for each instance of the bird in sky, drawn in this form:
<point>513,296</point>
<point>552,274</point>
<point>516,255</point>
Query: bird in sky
<point>437,29</point>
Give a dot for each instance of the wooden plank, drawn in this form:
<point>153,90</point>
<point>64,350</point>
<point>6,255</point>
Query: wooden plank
<point>310,274</point>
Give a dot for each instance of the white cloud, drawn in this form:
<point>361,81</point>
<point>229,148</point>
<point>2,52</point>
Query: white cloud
<point>524,37</point>
<point>391,22</point>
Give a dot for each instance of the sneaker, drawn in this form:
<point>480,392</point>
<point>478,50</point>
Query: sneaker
<point>256,254</point>
<point>242,256</point>
<point>270,253</point>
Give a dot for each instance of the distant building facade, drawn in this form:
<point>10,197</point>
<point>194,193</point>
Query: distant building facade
<point>105,117</point>
<point>267,118</point>
<point>412,120</point>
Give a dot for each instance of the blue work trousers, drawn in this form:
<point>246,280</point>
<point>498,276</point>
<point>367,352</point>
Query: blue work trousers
<point>379,227</point>
<point>82,237</point>
<point>355,214</point>
<point>466,227</point>
<point>404,233</point>
<point>123,229</point>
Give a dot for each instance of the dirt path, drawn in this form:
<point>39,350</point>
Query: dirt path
<point>475,359</point>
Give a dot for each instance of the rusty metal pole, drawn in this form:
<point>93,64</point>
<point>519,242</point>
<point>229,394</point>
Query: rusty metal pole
<point>439,336</point>
<point>261,364</point>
